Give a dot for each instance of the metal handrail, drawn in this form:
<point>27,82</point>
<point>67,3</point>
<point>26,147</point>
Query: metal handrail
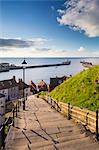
<point>2,128</point>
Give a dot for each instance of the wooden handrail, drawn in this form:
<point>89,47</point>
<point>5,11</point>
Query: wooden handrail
<point>87,117</point>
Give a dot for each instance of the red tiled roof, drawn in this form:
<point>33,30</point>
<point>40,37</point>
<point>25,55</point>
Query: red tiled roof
<point>42,84</point>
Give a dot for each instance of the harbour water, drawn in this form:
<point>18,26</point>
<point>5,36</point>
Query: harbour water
<point>37,74</point>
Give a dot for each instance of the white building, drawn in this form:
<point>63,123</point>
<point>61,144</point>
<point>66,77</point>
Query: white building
<point>9,88</point>
<point>2,108</point>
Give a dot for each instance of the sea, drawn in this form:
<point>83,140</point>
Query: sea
<point>38,74</point>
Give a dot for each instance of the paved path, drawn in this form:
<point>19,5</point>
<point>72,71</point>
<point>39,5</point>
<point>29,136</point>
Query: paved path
<point>41,127</point>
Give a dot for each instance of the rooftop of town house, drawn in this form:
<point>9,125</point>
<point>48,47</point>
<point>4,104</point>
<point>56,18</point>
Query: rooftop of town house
<point>56,80</point>
<point>42,83</point>
<point>42,128</point>
<point>33,84</point>
<point>22,85</point>
<point>6,84</point>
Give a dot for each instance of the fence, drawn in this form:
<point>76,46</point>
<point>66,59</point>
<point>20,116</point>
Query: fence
<point>89,119</point>
<point>8,122</point>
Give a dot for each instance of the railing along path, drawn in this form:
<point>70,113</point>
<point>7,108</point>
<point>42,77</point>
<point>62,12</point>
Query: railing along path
<point>89,119</point>
<point>9,121</point>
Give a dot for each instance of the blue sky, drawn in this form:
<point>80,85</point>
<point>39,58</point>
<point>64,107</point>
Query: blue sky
<point>49,28</point>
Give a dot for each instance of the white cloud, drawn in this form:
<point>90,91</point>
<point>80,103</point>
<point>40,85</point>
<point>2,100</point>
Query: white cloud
<point>61,11</point>
<point>81,49</point>
<point>35,47</point>
<point>46,52</point>
<point>39,41</point>
<point>57,53</point>
<point>82,15</point>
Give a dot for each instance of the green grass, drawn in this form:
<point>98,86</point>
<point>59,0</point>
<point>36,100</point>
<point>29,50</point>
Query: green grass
<point>80,90</point>
<point>6,129</point>
<point>42,93</point>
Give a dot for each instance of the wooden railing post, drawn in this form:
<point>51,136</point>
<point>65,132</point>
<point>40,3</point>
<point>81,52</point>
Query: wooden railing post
<point>87,118</point>
<point>54,104</point>
<point>69,116</point>
<point>57,105</point>
<point>13,116</point>
<point>47,99</point>
<point>51,101</point>
<point>97,134</point>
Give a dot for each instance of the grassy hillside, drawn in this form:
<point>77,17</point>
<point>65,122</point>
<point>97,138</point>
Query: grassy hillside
<point>80,90</point>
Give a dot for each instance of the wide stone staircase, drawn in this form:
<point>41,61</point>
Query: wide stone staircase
<point>40,127</point>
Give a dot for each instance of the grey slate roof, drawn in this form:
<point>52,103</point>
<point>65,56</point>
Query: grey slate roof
<point>6,84</point>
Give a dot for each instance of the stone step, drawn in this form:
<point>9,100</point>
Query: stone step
<point>38,144</point>
<point>85,146</point>
<point>58,133</point>
<point>74,143</point>
<point>69,133</point>
<point>12,147</point>
<point>70,138</point>
<point>57,130</point>
<point>46,148</point>
<point>91,146</point>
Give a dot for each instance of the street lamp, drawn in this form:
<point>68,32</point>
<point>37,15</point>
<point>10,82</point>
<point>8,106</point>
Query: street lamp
<point>24,63</point>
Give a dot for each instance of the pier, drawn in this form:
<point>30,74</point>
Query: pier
<point>40,66</point>
<point>35,66</point>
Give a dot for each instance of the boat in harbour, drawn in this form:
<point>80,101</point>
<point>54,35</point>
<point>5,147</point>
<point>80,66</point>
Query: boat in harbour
<point>67,62</point>
<point>86,64</point>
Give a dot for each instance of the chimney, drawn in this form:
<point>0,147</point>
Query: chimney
<point>14,78</point>
<point>20,80</point>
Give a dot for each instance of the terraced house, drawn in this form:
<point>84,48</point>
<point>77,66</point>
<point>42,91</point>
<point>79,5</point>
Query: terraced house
<point>9,88</point>
<point>23,86</point>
